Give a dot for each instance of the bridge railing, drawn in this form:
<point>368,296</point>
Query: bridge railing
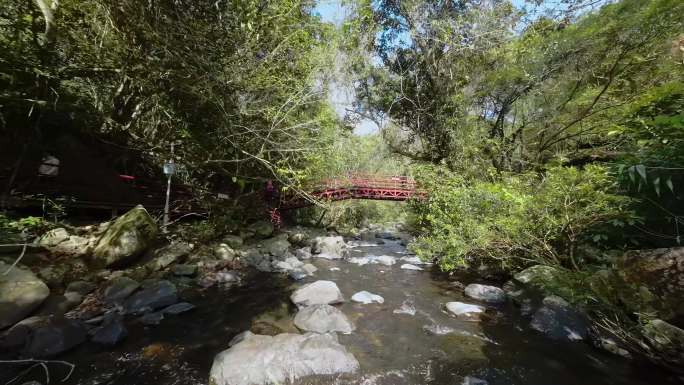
<point>366,181</point>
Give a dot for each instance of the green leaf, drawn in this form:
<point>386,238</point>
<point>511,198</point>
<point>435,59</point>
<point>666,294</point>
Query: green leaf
<point>641,169</point>
<point>669,184</point>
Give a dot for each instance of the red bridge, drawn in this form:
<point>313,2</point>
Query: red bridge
<point>356,186</point>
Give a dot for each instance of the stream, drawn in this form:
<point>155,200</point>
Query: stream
<point>428,347</point>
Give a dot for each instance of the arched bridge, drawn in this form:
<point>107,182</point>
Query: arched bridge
<point>356,186</point>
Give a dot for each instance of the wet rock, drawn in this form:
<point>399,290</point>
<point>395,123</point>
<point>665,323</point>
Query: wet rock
<point>224,252</point>
<point>667,339</point>
<point>297,237</point>
<point>557,319</point>
<point>309,269</point>
<point>185,270</point>
<point>414,260</point>
<point>119,289</point>
<point>303,253</point>
<point>490,294</point>
<point>386,260</point>
<point>468,380</point>
<point>233,241</point>
<point>406,307</point>
<point>260,359</point>
<point>21,292</point>
<point>297,274</point>
<point>276,246</point>
<point>359,260</point>
<point>157,295</point>
<point>332,247</point>
<point>111,332</point>
<point>53,276</point>
<point>127,238</point>
<point>152,318</point>
<point>408,266</point>
<point>281,266</point>
<point>538,276</point>
<point>323,319</point>
<point>317,293</point>
<point>60,304</point>
<point>81,287</point>
<point>262,229</point>
<point>169,254</point>
<point>46,336</point>
<point>465,311</point>
<point>387,235</point>
<point>366,297</point>
<point>53,237</point>
<point>609,345</point>
<point>178,308</point>
<point>294,262</point>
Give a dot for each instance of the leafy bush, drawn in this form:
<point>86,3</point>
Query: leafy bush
<point>13,229</point>
<point>516,218</point>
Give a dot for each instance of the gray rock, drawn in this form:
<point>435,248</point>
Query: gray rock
<point>224,252</point>
<point>490,294</point>
<point>294,262</point>
<point>21,292</point>
<point>81,287</point>
<point>465,311</point>
<point>169,254</point>
<point>60,304</point>
<point>111,332</point>
<point>557,319</point>
<point>329,247</point>
<point>297,274</point>
<point>157,295</point>
<point>667,339</point>
<point>233,241</point>
<point>185,270</point>
<point>127,238</point>
<point>309,269</point>
<point>178,308</point>
<point>53,237</point>
<point>303,253</point>
<point>408,266</point>
<point>276,246</point>
<point>59,242</point>
<point>260,359</point>
<point>537,276</point>
<point>407,307</point>
<point>366,298</point>
<point>152,318</point>
<point>47,336</point>
<point>323,319</point>
<point>262,229</point>
<point>119,289</point>
<point>53,276</point>
<point>317,293</point>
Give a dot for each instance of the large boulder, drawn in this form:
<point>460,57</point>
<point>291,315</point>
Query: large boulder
<point>156,295</point>
<point>317,293</point>
<point>45,336</point>
<point>261,359</point>
<point>58,241</point>
<point>329,247</point>
<point>21,292</point>
<point>557,319</point>
<point>276,246</point>
<point>484,293</point>
<point>323,319</point>
<point>127,238</point>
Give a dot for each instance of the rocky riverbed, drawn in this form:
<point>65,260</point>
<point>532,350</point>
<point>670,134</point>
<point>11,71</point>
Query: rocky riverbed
<point>303,307</point>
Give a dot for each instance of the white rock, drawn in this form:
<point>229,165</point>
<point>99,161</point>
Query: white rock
<point>414,260</point>
<point>365,298</point>
<point>485,293</point>
<point>323,319</point>
<point>329,247</point>
<point>317,293</point>
<point>259,359</point>
<point>406,308</point>
<point>359,260</point>
<point>383,260</point>
<point>294,262</point>
<point>408,266</point>
<point>334,269</point>
<point>309,269</point>
<point>464,309</point>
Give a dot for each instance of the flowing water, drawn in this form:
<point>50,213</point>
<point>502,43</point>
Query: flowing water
<point>392,345</point>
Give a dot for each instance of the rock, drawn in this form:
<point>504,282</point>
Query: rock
<point>227,277</point>
<point>323,319</point>
<point>297,237</point>
<point>262,229</point>
<point>260,359</point>
<point>233,241</point>
<point>53,237</point>
<point>294,262</point>
<point>359,260</point>
<point>47,336</point>
<point>185,270</point>
<point>537,276</point>
<point>558,320</point>
<point>53,276</point>
<point>81,287</point>
<point>309,269</point>
<point>111,332</point>
<point>465,311</point>
<point>335,269</point>
<point>468,380</point>
<point>408,266</point>
<point>127,238</point>
<point>609,345</point>
<point>21,292</point>
<point>277,246</point>
<point>60,304</point>
<point>329,247</point>
<point>383,260</point>
<point>406,307</point>
<point>282,266</point>
<point>490,294</point>
<point>157,295</point>
<point>317,293</point>
<point>178,308</point>
<point>119,289</point>
<point>224,252</point>
<point>152,318</point>
<point>298,274</point>
<point>303,253</point>
<point>169,254</point>
<point>365,298</point>
<point>387,235</point>
<point>667,339</point>
<point>414,260</point>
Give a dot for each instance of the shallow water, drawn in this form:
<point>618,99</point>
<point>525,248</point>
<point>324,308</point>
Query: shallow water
<point>429,347</point>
